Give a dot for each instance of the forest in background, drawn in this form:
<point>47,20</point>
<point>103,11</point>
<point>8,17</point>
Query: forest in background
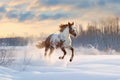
<point>102,35</point>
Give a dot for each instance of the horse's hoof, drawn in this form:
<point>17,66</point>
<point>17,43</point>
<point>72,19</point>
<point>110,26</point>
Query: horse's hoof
<point>60,57</point>
<point>70,60</point>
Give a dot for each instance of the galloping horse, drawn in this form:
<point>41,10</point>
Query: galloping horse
<point>61,40</point>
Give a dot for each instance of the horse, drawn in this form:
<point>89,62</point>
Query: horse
<point>61,40</point>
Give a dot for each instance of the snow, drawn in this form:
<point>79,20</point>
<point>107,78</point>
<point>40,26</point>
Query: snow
<point>31,64</point>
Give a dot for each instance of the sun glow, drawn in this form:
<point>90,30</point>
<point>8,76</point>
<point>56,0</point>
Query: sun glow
<point>13,29</point>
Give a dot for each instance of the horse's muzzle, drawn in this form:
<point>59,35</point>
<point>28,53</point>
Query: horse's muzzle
<point>75,35</point>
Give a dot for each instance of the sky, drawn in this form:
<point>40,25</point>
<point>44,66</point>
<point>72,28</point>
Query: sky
<point>33,17</point>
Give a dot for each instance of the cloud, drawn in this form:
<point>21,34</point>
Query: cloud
<point>12,14</point>
<point>101,3</point>
<point>56,9</point>
<point>114,1</point>
<point>74,3</point>
<point>20,16</point>
<point>2,9</point>
<point>85,4</point>
<point>26,16</point>
<point>108,2</point>
<point>77,4</point>
<point>50,2</point>
<point>53,2</point>
<point>53,16</point>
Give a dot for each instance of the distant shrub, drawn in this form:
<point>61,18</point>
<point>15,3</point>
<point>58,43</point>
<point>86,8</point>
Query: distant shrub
<point>7,56</point>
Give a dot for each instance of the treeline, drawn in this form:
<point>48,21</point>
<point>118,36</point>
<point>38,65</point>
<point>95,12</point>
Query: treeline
<point>102,35</point>
<point>21,41</point>
<point>15,41</point>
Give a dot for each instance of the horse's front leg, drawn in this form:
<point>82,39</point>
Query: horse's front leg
<point>62,57</point>
<point>72,49</point>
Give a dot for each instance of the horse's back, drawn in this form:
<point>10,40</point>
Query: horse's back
<point>53,40</point>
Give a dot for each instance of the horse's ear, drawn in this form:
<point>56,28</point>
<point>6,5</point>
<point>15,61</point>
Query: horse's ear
<point>69,23</point>
<point>72,23</point>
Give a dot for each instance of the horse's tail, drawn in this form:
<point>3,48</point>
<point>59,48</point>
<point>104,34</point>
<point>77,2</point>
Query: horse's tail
<point>41,44</point>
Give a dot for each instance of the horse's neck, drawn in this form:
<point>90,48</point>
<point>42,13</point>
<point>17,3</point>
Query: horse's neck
<point>65,34</point>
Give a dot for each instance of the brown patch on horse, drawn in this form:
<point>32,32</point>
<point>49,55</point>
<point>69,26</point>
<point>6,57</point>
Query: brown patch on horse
<point>47,41</point>
<point>59,44</point>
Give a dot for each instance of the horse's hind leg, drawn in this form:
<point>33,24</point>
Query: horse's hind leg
<point>72,49</point>
<point>51,51</point>
<point>62,57</point>
<point>46,49</point>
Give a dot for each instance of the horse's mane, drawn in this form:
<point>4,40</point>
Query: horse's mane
<point>62,27</point>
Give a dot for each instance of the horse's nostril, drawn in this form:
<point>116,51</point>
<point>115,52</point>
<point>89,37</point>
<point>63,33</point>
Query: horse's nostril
<point>75,35</point>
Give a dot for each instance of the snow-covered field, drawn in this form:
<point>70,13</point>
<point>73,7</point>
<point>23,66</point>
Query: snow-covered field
<point>88,64</point>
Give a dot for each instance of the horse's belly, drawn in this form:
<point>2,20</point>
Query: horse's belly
<point>67,44</point>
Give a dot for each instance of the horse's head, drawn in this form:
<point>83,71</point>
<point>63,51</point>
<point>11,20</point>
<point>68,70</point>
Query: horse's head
<point>72,29</point>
